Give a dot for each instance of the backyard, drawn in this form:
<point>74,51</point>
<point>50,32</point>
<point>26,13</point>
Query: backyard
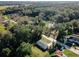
<point>39,53</point>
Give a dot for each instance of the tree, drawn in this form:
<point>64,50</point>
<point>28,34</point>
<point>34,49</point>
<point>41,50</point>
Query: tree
<point>24,49</point>
<point>3,29</point>
<point>36,33</point>
<point>6,52</point>
<point>22,33</point>
<point>62,33</point>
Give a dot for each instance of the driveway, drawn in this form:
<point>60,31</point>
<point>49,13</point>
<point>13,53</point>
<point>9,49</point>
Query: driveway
<point>76,51</point>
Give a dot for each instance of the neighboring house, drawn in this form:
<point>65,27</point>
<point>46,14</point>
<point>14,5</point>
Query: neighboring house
<point>7,22</point>
<point>1,19</point>
<point>46,42</point>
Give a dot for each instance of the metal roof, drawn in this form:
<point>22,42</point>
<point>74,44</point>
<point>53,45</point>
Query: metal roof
<point>42,44</point>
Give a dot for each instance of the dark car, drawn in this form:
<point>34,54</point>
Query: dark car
<point>69,44</point>
<point>71,40</point>
<point>77,43</point>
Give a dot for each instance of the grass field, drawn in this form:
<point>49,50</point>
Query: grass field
<point>36,52</point>
<point>70,53</point>
<point>4,7</point>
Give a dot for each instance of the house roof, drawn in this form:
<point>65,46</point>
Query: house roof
<point>45,41</point>
<point>42,44</point>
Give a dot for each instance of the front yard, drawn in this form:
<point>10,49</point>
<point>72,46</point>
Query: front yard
<point>70,53</point>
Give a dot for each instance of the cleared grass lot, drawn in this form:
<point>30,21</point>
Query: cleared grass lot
<point>70,53</point>
<point>4,7</point>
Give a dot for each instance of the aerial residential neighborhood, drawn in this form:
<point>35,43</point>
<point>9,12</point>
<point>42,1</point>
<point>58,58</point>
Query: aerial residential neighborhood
<point>39,29</point>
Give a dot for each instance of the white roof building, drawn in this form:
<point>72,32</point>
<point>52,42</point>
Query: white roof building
<point>46,42</point>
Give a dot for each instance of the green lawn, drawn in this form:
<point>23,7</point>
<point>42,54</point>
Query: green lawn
<point>36,52</point>
<point>70,53</point>
<point>4,7</point>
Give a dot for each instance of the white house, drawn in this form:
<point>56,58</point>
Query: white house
<point>46,42</point>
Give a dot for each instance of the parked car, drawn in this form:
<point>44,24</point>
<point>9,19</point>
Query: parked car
<point>77,43</point>
<point>69,44</point>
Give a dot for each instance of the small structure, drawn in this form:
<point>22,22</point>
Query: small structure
<point>51,25</point>
<point>1,19</point>
<point>59,53</point>
<point>5,22</point>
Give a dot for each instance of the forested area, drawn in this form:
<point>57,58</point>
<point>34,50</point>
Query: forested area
<point>17,38</point>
